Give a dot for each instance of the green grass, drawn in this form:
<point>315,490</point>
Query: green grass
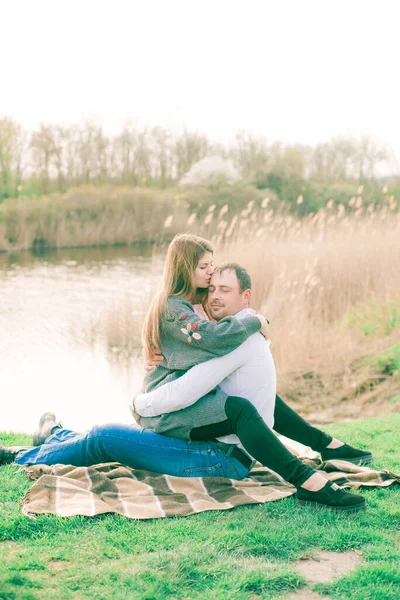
<point>388,362</point>
<point>376,319</point>
<point>242,554</point>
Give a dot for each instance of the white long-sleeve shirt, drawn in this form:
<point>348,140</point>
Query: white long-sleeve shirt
<point>248,372</point>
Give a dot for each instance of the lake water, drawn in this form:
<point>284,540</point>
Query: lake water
<point>51,357</point>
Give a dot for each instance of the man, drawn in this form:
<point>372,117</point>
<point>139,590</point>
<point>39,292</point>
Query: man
<point>253,374</point>
<point>248,372</point>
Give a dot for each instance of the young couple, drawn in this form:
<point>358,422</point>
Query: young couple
<point>210,402</point>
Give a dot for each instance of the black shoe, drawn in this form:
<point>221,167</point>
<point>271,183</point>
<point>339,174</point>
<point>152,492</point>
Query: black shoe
<point>8,454</point>
<point>330,496</point>
<point>348,453</point>
<point>46,425</point>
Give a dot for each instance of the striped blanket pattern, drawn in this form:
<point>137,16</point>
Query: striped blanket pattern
<point>66,490</point>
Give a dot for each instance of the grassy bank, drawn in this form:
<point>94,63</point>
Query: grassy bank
<point>108,215</point>
<point>246,553</point>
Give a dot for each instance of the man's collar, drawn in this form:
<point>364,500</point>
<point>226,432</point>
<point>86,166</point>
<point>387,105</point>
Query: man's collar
<point>245,312</point>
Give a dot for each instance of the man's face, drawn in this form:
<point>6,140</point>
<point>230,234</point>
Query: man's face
<point>224,295</point>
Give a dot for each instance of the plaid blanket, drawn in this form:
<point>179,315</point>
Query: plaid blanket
<point>66,490</point>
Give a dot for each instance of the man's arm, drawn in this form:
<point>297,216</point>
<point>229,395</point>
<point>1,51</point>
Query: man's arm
<point>194,384</point>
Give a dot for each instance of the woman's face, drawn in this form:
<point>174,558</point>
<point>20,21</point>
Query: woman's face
<point>202,274</point>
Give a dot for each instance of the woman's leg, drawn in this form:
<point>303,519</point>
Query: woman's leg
<point>136,448</point>
<point>258,439</point>
<point>313,490</point>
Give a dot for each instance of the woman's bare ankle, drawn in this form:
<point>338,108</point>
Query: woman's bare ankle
<point>335,444</point>
<point>314,483</point>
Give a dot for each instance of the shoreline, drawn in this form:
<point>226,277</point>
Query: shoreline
<point>43,250</point>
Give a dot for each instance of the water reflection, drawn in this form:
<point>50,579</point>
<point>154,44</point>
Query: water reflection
<point>52,356</point>
<point>99,254</point>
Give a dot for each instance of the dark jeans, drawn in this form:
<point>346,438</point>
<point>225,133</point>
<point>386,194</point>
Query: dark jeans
<point>257,438</point>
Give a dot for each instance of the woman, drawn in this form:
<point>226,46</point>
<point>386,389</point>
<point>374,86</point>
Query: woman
<point>184,339</point>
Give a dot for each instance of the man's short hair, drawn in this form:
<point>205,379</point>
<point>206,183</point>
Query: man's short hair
<point>242,275</point>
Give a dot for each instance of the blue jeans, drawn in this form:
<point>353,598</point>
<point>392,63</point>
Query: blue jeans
<point>136,448</point>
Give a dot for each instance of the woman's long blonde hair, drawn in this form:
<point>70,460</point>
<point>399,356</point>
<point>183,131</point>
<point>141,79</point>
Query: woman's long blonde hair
<point>184,253</point>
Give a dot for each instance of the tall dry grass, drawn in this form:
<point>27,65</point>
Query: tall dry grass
<point>310,277</point>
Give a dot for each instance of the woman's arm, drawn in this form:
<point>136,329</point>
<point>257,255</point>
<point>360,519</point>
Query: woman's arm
<point>186,339</point>
<point>194,384</point>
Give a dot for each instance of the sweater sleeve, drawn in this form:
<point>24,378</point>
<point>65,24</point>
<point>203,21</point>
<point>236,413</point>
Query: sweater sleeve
<point>186,339</point>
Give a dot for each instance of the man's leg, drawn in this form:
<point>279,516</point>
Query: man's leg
<point>139,449</point>
<point>257,438</point>
<point>289,423</point>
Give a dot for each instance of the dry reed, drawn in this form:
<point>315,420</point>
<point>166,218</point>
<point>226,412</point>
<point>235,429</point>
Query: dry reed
<point>309,276</point>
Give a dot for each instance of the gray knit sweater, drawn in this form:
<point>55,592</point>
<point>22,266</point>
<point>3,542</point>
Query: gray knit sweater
<point>185,341</point>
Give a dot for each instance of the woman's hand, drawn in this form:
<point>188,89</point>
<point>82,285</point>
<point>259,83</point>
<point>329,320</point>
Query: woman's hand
<point>153,362</point>
<point>264,326</point>
<point>135,415</point>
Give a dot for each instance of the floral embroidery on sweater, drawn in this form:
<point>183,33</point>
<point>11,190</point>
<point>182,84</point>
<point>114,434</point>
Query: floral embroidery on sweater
<point>190,331</point>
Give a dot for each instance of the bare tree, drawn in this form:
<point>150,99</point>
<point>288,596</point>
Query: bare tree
<point>347,159</point>
<point>368,157</point>
<point>92,152</point>
<point>71,155</point>
<point>189,148</point>
<point>162,154</point>
<point>289,160</point>
<point>60,137</point>
<point>102,150</point>
<point>251,154</point>
<point>143,160</point>
<point>125,147</point>
<point>44,150</point>
<point>342,154</point>
<point>21,154</point>
<point>13,156</point>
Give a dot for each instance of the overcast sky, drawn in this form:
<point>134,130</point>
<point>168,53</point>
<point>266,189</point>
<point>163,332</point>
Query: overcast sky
<point>298,71</point>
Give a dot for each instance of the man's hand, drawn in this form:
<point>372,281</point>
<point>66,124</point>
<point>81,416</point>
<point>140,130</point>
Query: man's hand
<point>153,362</point>
<point>264,326</point>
